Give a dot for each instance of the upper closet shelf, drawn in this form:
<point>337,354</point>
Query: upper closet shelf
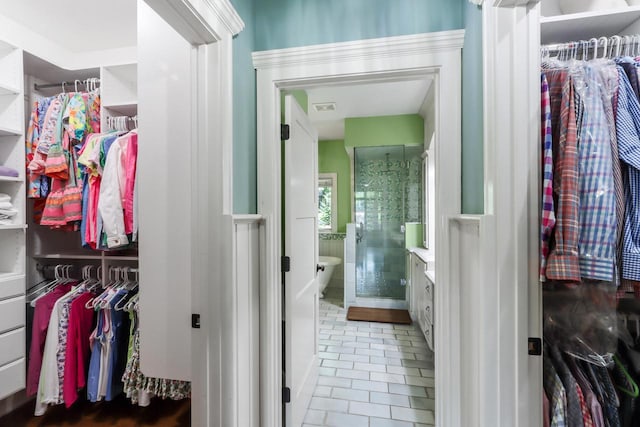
<point>6,131</point>
<point>583,26</point>
<point>86,256</point>
<point>6,89</point>
<point>11,179</point>
<point>124,108</point>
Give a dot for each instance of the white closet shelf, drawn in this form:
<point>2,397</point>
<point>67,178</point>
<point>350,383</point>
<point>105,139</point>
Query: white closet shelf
<point>125,108</point>
<point>122,257</point>
<point>9,275</point>
<point>11,179</point>
<point>86,256</point>
<point>13,227</point>
<point>583,26</point>
<point>6,89</point>
<point>96,256</point>
<point>7,131</point>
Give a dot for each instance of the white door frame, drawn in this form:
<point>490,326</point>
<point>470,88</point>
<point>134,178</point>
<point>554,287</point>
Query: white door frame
<point>511,386</point>
<point>210,25</point>
<point>393,57</point>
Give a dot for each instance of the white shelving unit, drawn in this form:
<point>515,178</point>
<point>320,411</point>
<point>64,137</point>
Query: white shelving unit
<point>583,26</point>
<point>119,89</point>
<point>12,236</point>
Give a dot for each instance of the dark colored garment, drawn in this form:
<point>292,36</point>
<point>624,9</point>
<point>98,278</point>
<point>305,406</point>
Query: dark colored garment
<point>592,402</point>
<point>574,408</point>
<point>611,402</point>
<point>120,325</point>
<point>627,403</point>
<point>631,70</point>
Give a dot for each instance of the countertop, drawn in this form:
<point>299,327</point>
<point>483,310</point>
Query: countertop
<point>423,254</point>
<point>431,275</point>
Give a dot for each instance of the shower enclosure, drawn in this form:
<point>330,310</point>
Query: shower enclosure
<point>388,194</point>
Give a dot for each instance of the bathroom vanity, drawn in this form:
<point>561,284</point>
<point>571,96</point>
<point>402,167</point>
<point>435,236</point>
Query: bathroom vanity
<point>421,288</point>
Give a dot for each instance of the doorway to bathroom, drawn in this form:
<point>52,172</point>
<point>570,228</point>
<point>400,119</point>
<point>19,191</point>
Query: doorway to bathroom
<point>398,59</point>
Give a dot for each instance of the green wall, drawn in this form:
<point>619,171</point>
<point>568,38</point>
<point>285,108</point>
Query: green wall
<point>472,117</point>
<point>244,114</point>
<point>276,24</point>
<point>289,23</point>
<point>332,157</point>
<point>384,130</point>
<point>413,235</point>
<point>364,132</point>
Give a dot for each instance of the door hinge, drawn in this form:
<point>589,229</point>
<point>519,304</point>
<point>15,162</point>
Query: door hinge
<point>286,395</point>
<point>285,264</point>
<point>284,132</point>
<point>195,321</point>
<point>535,346</point>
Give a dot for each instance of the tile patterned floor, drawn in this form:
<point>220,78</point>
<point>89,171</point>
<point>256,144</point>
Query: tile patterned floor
<point>371,374</point>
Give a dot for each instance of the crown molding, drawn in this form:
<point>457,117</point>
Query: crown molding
<point>513,3</point>
<point>228,15</point>
<point>199,21</point>
<point>361,49</point>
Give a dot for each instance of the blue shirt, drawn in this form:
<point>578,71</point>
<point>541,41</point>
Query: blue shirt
<point>94,364</point>
<point>628,133</point>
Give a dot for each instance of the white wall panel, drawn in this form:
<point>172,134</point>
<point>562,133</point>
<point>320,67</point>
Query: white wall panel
<point>164,178</point>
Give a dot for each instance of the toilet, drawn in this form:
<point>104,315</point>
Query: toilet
<point>324,276</point>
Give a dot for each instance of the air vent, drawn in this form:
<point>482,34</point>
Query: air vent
<point>325,107</point>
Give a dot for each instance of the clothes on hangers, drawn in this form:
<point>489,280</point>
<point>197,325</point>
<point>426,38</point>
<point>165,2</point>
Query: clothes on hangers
<point>82,339</point>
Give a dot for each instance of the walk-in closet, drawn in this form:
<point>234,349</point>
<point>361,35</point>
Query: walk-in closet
<point>588,207</point>
<point>98,174</point>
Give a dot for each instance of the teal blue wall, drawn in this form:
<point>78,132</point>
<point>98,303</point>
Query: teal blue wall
<point>244,113</point>
<point>289,23</point>
<point>275,24</point>
<point>472,120</point>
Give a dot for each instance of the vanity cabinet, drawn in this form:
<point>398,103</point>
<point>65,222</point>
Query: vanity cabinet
<point>422,285</point>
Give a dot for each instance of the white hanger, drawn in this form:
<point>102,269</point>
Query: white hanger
<point>605,42</point>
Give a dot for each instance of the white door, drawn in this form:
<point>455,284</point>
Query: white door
<point>301,246</point>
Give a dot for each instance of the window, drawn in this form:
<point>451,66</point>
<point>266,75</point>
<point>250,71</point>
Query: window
<point>327,202</point>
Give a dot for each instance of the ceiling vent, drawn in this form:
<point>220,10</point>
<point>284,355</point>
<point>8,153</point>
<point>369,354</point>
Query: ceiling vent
<point>324,107</point>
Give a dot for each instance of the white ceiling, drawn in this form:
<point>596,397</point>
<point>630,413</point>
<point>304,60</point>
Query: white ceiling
<point>80,26</point>
<point>364,100</point>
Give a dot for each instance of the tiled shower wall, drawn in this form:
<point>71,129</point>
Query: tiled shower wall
<point>332,244</point>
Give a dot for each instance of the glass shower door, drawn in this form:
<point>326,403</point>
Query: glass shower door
<point>381,178</point>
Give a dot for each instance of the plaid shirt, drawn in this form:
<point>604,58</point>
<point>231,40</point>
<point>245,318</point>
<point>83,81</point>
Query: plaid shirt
<point>556,393</point>
<point>596,188</point>
<point>563,260</point>
<point>548,214</point>
<point>609,74</point>
<point>628,131</point>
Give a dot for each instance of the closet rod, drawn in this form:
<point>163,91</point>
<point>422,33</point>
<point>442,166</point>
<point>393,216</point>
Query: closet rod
<point>594,43</point>
<point>37,86</point>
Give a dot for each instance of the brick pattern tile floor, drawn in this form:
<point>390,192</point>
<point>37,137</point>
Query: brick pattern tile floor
<point>371,374</point>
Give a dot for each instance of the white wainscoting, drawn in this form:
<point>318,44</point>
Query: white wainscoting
<point>465,333</point>
<point>241,339</point>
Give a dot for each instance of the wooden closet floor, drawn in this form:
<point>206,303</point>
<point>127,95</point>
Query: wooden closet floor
<point>117,413</point>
